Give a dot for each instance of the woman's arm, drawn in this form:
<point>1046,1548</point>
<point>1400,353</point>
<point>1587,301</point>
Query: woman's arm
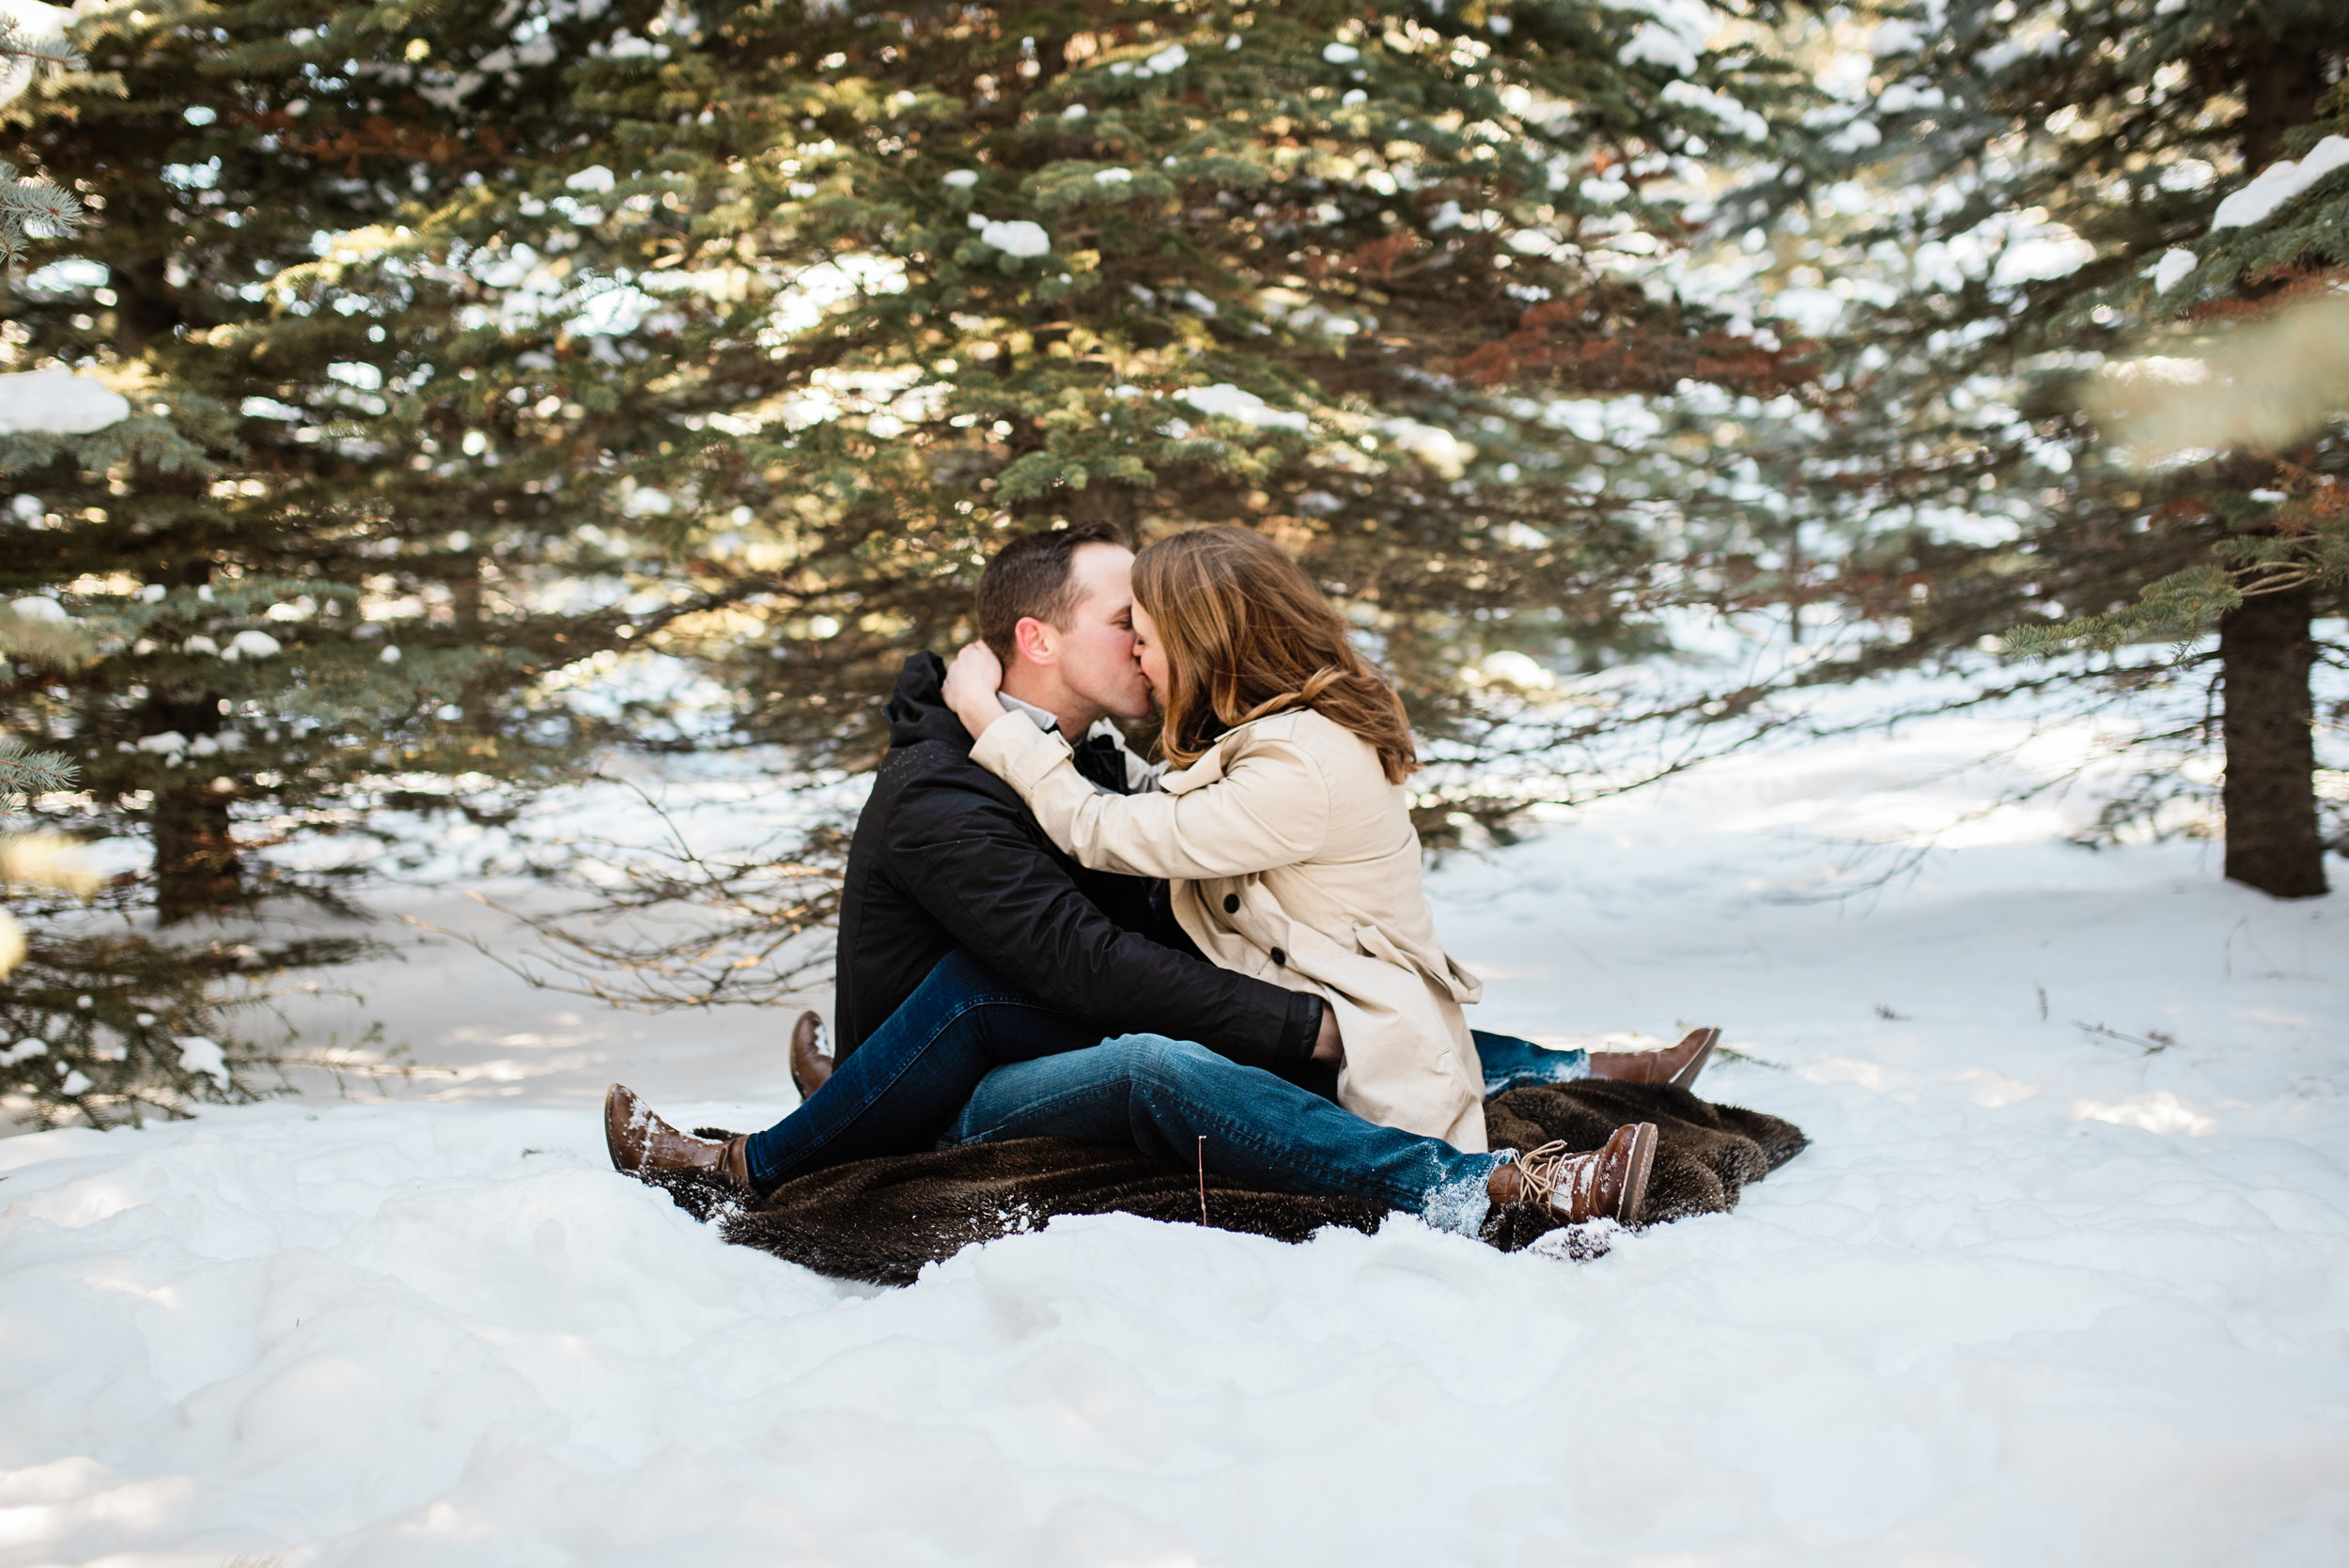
<point>1271,809</point>
<point>972,684</point>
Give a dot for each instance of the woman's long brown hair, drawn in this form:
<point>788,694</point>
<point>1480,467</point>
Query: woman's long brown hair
<point>1246,634</point>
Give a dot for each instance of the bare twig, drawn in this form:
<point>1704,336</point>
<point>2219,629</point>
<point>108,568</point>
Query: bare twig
<point>1202,1178</point>
<point>2152,1041</point>
<point>681,928</point>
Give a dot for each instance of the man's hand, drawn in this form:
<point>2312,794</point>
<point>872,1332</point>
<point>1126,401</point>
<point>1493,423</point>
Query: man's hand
<point>972,681</point>
<point>1329,1046</point>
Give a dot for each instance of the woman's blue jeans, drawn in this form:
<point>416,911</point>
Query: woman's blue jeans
<point>969,1058</point>
<point>1178,1101</point>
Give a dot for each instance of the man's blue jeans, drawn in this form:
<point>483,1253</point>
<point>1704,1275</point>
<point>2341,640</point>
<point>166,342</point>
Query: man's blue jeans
<point>1514,1063</point>
<point>1028,1071</point>
<point>895,1094</point>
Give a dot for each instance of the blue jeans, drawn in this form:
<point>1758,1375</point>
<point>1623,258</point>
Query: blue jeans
<point>900,1092</point>
<point>895,1094</point>
<point>1162,1095</point>
<point>1508,1063</point>
<point>1513,1064</point>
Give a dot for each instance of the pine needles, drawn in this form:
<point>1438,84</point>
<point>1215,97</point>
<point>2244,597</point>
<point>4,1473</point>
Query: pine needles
<point>33,208</point>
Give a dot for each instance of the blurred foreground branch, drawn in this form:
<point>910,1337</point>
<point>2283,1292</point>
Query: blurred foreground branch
<point>2255,384</point>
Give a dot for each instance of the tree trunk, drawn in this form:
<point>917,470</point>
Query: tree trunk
<point>2265,655</point>
<point>1794,584</point>
<point>2282,81</point>
<point>195,853</point>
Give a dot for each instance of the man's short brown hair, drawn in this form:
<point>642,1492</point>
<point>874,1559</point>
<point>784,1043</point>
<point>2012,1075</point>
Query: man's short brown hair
<point>1029,577</point>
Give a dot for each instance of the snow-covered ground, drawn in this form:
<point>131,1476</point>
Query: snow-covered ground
<point>2038,1294</point>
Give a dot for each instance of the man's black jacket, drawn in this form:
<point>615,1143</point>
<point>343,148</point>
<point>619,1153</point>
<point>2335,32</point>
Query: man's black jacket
<point>946,855</point>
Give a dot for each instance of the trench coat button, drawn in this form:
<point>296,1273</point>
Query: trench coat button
<point>1231,902</point>
<point>1279,958</point>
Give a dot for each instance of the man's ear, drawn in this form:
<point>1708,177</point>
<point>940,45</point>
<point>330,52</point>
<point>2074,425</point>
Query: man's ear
<point>1037,642</point>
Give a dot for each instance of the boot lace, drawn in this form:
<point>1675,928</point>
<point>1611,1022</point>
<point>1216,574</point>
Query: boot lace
<point>1551,1167</point>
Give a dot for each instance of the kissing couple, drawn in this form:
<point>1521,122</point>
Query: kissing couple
<point>1043,935</point>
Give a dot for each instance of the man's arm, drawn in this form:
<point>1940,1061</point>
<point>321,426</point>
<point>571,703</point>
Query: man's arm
<point>973,861</point>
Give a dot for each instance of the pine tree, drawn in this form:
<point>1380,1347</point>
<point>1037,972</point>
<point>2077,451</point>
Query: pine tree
<point>2057,177</point>
<point>474,355</point>
<point>373,515</point>
<point>1321,268</point>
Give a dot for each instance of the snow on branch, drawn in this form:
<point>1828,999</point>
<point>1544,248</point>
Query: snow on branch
<point>58,402</point>
<point>2280,184</point>
<point>36,630</point>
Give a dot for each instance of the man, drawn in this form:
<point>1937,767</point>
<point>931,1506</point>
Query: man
<point>946,855</point>
<point>955,902</point>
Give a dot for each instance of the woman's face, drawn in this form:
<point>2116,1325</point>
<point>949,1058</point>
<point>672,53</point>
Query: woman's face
<point>1151,654</point>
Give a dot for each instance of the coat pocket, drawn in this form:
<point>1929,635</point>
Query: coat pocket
<point>1451,980</point>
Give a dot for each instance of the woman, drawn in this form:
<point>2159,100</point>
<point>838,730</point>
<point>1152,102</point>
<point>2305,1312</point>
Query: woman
<point>1282,824</point>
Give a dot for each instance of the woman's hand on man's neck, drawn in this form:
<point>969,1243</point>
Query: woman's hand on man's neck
<point>976,682</point>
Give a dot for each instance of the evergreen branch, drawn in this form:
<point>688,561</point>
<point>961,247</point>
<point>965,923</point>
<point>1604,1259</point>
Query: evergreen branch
<point>48,860</point>
<point>2257,385</point>
<point>50,51</point>
<point>26,773</point>
<point>37,199</point>
<point>55,645</point>
<point>603,630</point>
<point>2173,608</point>
<point>2186,603</point>
<point>119,1025</point>
<point>32,209</point>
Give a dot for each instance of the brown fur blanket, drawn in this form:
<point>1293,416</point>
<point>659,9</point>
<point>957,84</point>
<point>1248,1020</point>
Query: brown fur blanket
<point>882,1220</point>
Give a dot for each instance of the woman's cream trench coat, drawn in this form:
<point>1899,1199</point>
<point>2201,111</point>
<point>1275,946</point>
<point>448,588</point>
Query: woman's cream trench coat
<point>1291,859</point>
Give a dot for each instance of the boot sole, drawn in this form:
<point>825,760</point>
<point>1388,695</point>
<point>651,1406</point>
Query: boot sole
<point>807,1034</point>
<point>1688,1075</point>
<point>611,1128</point>
<point>1635,1180</point>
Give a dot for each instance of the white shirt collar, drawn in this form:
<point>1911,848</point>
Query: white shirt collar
<point>1049,725</point>
<point>1045,721</point>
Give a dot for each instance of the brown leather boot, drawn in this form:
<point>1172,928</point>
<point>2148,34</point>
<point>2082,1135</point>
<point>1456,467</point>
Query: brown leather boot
<point>811,1056</point>
<point>1609,1184</point>
<point>640,1140</point>
<point>1679,1066</point>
